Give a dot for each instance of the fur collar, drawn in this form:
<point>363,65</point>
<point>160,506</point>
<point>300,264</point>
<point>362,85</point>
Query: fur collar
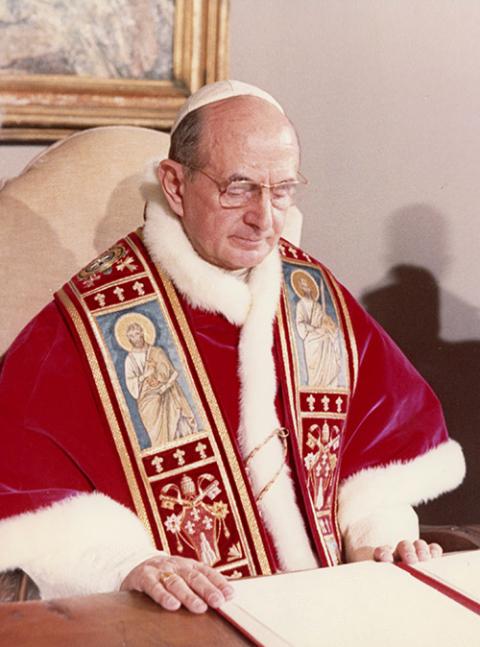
<point>204,285</point>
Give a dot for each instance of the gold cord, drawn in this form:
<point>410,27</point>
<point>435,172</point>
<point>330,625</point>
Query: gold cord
<point>282,433</point>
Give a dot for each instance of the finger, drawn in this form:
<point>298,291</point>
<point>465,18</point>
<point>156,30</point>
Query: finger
<point>435,550</point>
<point>422,549</point>
<point>150,584</point>
<point>383,554</point>
<point>179,588</point>
<point>406,552</point>
<point>204,587</point>
<point>218,580</point>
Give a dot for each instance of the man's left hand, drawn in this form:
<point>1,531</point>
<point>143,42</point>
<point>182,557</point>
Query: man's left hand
<point>408,552</point>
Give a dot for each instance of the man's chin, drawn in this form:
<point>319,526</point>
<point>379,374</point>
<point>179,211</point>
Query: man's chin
<point>246,253</point>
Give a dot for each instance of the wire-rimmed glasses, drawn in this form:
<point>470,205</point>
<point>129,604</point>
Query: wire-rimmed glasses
<point>238,193</point>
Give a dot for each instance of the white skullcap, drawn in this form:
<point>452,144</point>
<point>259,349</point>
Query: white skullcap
<point>217,92</point>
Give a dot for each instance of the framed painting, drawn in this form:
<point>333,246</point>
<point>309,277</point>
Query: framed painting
<point>65,66</point>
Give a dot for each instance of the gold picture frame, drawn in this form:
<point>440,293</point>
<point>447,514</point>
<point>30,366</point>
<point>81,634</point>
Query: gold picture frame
<point>49,107</point>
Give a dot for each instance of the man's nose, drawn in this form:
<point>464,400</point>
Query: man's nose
<point>260,209</point>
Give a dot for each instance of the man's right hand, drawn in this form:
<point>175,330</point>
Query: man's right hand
<point>173,581</point>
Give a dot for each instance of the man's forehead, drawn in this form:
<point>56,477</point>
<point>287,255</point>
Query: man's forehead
<point>246,119</point>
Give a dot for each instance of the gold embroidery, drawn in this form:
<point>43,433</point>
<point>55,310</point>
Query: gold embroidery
<point>286,362</point>
<point>227,442</point>
<point>112,421</point>
<point>115,306</point>
<point>198,524</point>
<point>178,442</point>
<point>322,414</point>
<point>180,470</point>
<point>353,341</point>
<point>218,511</point>
<point>115,281</point>
<point>327,539</point>
<point>227,567</point>
<point>125,415</point>
<point>282,433</point>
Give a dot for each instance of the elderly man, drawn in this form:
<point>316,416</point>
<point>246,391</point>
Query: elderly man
<point>275,473</point>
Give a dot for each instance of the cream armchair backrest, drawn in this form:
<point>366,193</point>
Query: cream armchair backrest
<point>70,204</point>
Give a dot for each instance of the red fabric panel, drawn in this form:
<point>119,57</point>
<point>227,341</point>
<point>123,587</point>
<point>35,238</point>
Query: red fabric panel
<point>394,414</point>
<point>54,441</point>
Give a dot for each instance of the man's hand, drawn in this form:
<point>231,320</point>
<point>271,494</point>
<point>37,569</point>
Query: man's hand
<point>173,581</point>
<point>408,552</point>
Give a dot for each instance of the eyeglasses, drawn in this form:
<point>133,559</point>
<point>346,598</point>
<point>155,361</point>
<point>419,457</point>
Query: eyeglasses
<point>238,193</point>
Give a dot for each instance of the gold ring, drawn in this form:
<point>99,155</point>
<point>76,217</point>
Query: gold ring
<point>165,576</point>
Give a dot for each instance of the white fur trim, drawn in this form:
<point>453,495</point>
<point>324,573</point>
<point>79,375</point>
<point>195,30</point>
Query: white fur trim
<point>439,470</point>
<point>81,545</point>
<point>258,419</point>
<point>203,284</point>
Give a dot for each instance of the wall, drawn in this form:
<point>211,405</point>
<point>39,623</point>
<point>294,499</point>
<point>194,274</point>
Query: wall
<point>13,158</point>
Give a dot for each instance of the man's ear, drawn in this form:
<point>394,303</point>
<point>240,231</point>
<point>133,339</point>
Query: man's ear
<point>171,177</point>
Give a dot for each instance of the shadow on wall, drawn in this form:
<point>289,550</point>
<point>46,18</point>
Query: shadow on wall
<point>407,305</point>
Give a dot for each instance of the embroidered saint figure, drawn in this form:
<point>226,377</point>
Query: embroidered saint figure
<point>318,331</point>
<point>153,381</point>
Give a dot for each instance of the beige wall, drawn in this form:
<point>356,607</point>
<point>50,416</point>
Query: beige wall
<point>386,98</point>
<point>13,158</point>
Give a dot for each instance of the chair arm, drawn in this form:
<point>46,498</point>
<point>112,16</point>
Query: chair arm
<point>452,538</point>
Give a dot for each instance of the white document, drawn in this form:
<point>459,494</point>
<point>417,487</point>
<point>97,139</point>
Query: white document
<point>460,571</point>
<point>355,605</point>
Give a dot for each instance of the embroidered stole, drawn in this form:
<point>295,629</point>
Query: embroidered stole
<point>186,478</point>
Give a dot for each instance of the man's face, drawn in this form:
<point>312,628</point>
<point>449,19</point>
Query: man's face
<point>136,337</point>
<point>244,138</point>
<point>305,287</point>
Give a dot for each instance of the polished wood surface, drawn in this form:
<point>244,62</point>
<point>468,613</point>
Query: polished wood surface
<point>111,620</point>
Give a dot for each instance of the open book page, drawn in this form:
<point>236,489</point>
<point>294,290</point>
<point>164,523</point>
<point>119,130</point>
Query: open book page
<point>460,571</point>
<point>366,603</point>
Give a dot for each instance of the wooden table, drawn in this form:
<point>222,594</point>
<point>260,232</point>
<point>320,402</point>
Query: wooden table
<point>111,620</point>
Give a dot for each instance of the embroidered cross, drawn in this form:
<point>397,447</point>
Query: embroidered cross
<point>100,299</point>
<point>90,282</point>
<point>311,402</point>
<point>326,402</point>
<point>200,449</point>
<point>139,289</point>
<point>119,293</point>
<point>190,527</point>
<point>281,247</point>
<point>293,252</point>
<point>157,463</point>
<point>207,522</point>
<point>126,263</point>
<point>195,514</point>
<point>339,403</point>
<point>307,257</point>
<point>179,454</point>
